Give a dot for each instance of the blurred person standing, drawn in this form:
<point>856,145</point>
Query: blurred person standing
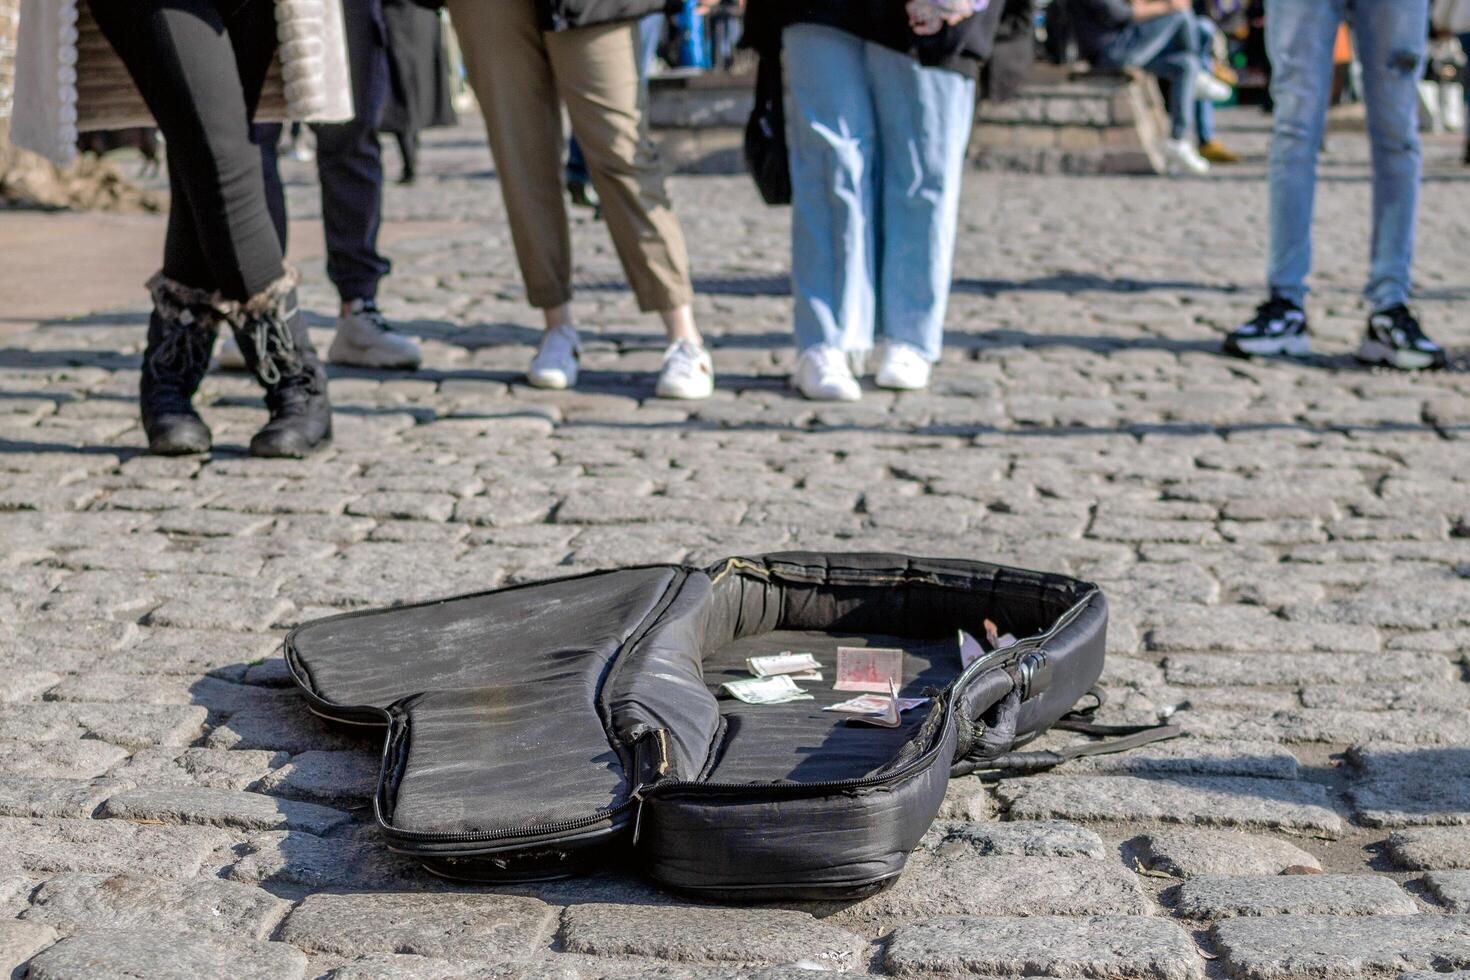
<point>418,69</point>
<point>880,105</point>
<point>524,59</point>
<point>1392,43</point>
<point>349,165</point>
<point>1453,17</point>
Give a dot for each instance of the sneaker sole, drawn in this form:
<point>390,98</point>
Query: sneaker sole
<point>548,384</point>
<point>682,396</point>
<point>1290,347</point>
<point>1372,352</point>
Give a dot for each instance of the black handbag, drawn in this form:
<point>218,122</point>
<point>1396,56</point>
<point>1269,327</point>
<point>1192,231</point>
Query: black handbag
<point>765,133</point>
<point>534,731</point>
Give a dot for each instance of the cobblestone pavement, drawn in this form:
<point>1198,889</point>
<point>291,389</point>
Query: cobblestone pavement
<point>1286,546</point>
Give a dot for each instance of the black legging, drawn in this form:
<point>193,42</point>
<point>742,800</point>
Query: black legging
<point>200,65</point>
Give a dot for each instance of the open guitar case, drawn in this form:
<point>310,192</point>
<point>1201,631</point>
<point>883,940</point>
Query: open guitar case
<point>535,730</point>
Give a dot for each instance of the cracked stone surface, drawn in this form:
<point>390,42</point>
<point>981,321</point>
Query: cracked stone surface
<point>1283,545</point>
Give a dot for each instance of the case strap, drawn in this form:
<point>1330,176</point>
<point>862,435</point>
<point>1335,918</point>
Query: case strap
<point>1117,738</point>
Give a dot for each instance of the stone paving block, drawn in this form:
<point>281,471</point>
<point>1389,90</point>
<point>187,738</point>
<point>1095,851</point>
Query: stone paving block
<point>450,926</point>
<point>1205,801</point>
<point>235,769</point>
<point>19,941</point>
<point>709,935</point>
<point>292,729</point>
<point>73,902</point>
<point>1222,896</point>
<point>1412,801</point>
<point>1331,725</point>
<point>297,858</point>
<point>203,611</point>
<point>1306,668</point>
<point>160,954</point>
<point>1427,975</point>
<point>403,505</point>
<point>222,808</point>
<point>1031,838</point>
<point>1191,756</point>
<point>42,847</point>
<point>1296,947</point>
<point>347,778</point>
<point>1440,609</point>
<point>1376,760</point>
<point>1121,947</point>
<point>1450,888</point>
<point>1426,848</point>
<point>1191,853</point>
<point>105,686</point>
<point>62,647</point>
<point>1245,629</point>
<point>189,652</point>
<point>961,882</point>
<point>26,685</point>
<point>60,758</point>
<point>403,966</point>
<point>129,725</point>
<point>37,796</point>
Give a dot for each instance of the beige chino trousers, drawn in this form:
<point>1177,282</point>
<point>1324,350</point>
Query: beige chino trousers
<point>521,76</point>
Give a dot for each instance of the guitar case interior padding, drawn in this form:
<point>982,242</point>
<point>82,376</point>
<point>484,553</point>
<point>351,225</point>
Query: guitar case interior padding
<point>535,730</point>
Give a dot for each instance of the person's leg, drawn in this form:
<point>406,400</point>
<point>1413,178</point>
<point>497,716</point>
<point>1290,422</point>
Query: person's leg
<point>650,34</point>
<point>509,69</point>
<point>1204,109</point>
<point>924,121</point>
<point>201,79</point>
<point>349,162</point>
<point>1392,48</point>
<point>596,73</point>
<point>408,150</point>
<point>1300,36</point>
<point>1168,47</point>
<point>832,135</point>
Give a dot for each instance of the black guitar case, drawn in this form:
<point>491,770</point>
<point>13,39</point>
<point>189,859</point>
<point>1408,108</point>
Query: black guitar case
<point>532,730</point>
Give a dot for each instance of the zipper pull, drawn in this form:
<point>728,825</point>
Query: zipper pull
<point>651,764</point>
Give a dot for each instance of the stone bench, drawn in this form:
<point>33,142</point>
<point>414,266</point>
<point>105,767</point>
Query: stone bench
<point>1075,122</point>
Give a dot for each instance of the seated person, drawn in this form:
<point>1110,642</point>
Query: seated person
<point>1162,38</point>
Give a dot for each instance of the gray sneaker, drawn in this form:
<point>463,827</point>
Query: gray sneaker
<point>366,339</point>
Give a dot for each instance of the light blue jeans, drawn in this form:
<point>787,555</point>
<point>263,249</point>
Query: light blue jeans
<point>877,145</point>
<point>1390,36</point>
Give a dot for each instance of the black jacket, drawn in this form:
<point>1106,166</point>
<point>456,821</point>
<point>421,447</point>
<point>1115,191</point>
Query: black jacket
<point>1097,23</point>
<point>962,47</point>
<point>561,15</point>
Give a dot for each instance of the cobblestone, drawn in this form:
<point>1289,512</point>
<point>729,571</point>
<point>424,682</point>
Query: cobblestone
<point>123,901</point>
<point>1450,888</point>
<point>1192,853</point>
<point>1218,897</point>
<point>710,936</point>
<point>1282,545</point>
<point>1289,947</point>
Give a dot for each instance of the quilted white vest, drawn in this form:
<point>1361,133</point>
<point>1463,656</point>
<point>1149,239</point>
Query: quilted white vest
<point>69,80</point>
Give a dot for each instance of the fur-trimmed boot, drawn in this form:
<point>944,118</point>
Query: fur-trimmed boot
<point>272,336</point>
<point>181,334</point>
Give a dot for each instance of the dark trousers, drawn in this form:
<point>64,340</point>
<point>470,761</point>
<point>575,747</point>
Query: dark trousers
<point>349,162</point>
<point>200,65</point>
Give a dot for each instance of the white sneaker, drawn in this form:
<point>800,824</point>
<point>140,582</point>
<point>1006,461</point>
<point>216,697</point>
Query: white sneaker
<point>903,368</point>
<point>227,356</point>
<point>1182,156</point>
<point>823,374</point>
<point>555,363</point>
<point>366,339</point>
<point>688,372</point>
<point>1207,86</point>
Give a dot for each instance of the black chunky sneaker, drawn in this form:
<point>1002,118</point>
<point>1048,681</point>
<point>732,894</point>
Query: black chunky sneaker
<point>272,336</point>
<point>1394,338</point>
<point>181,334</point>
<point>1279,327</point>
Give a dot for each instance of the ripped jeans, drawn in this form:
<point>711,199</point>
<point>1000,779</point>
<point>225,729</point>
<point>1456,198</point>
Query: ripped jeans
<point>1390,37</point>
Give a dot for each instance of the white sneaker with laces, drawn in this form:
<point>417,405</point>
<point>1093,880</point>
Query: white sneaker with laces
<point>1207,86</point>
<point>227,356</point>
<point>902,368</point>
<point>366,339</point>
<point>823,374</point>
<point>555,363</point>
<point>1182,156</point>
<point>688,372</point>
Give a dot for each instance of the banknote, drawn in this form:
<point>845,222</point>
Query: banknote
<point>765,690</point>
<point>883,710</point>
<point>782,663</point>
<point>868,669</point>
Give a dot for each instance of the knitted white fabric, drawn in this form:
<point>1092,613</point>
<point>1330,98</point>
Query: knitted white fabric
<point>309,80</point>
